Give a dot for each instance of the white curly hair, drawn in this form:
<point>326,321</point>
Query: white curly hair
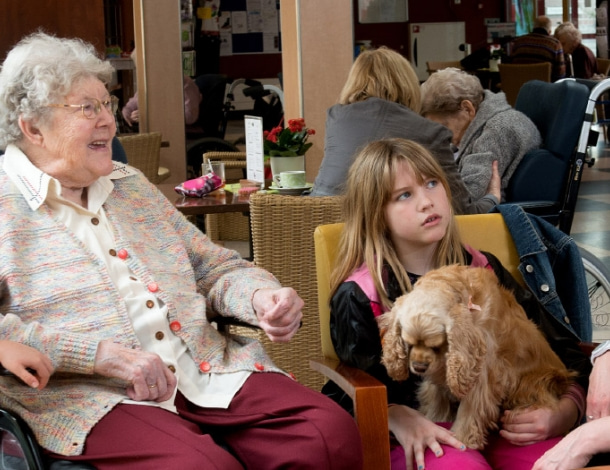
<point>39,70</point>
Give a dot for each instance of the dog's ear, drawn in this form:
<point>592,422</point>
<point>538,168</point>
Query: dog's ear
<point>466,349</point>
<point>395,353</point>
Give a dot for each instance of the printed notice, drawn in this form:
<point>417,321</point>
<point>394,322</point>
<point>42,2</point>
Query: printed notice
<point>255,158</point>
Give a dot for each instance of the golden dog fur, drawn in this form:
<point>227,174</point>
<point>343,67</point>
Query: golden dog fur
<point>475,348</point>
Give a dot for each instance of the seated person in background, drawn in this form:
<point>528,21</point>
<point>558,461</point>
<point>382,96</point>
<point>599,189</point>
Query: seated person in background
<point>17,358</point>
<point>192,99</point>
<point>380,99</point>
<point>539,46</point>
<point>580,60</point>
<point>102,274</point>
<point>589,444</point>
<point>485,127</point>
<point>399,225</point>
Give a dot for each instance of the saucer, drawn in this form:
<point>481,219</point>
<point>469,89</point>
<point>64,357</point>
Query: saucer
<point>290,191</point>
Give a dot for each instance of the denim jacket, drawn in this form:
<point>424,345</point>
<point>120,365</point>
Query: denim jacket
<point>552,268</point>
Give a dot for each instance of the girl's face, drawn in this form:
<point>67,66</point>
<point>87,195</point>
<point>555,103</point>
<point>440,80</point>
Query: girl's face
<point>417,215</point>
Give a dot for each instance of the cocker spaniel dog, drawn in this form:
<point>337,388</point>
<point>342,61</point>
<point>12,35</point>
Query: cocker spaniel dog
<point>475,349</point>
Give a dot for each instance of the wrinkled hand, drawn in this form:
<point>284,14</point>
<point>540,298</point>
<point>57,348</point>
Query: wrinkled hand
<point>534,425</point>
<point>416,433</point>
<point>279,312</point>
<point>22,357</point>
<point>598,396</point>
<point>135,116</point>
<point>149,377</point>
<point>577,448</point>
<point>495,184</point>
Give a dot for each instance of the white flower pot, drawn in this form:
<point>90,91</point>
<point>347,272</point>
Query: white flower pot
<point>493,65</point>
<point>279,164</point>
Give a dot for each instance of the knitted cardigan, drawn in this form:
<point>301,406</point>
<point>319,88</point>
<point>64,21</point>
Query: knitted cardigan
<point>497,132</point>
<point>56,296</point>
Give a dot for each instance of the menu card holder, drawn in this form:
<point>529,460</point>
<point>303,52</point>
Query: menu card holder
<point>255,157</point>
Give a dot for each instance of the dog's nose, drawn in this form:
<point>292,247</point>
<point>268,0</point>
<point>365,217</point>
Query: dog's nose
<point>419,367</point>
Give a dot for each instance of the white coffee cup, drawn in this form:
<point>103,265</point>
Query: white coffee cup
<point>290,179</point>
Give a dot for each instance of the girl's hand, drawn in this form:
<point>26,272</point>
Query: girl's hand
<point>27,363</point>
<point>534,425</point>
<point>415,433</point>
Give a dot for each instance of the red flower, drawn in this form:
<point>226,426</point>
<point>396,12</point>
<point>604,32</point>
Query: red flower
<point>290,141</point>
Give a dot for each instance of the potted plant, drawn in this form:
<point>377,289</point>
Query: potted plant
<point>286,147</point>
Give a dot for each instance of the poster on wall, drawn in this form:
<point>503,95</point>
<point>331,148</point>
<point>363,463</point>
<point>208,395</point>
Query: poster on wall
<point>249,27</point>
<point>522,13</point>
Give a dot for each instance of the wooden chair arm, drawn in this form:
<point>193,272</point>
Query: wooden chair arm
<point>370,408</point>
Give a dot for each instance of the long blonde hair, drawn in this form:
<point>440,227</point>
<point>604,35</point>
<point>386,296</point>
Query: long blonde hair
<point>382,73</point>
<point>366,237</point>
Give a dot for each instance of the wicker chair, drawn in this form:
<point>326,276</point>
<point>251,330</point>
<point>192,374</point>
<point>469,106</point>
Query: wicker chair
<point>143,152</point>
<point>282,230</point>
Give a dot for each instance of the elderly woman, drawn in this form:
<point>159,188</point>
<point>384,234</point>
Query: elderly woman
<point>484,126</point>
<point>99,272</point>
<point>581,61</point>
<point>381,99</point>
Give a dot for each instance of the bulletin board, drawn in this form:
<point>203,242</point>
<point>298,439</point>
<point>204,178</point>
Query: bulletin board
<point>249,27</point>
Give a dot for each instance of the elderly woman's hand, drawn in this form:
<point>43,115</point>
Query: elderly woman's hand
<point>495,184</point>
<point>598,396</point>
<point>278,312</point>
<point>149,377</point>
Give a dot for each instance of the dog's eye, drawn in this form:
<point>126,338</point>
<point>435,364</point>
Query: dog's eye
<point>436,350</point>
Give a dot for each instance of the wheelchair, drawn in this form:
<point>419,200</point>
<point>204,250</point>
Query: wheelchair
<point>547,181</point>
<point>208,134</point>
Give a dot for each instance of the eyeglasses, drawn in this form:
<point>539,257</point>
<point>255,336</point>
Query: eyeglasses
<point>92,107</point>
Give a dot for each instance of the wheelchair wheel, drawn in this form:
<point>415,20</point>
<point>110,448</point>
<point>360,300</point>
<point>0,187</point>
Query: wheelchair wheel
<point>598,282</point>
<point>196,149</point>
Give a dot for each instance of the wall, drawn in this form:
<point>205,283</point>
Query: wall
<point>159,71</point>
<point>393,35</point>
<point>65,18</point>
<point>251,65</point>
<point>396,35</point>
<point>318,53</point>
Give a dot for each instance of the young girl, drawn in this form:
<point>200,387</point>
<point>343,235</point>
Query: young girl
<point>27,363</point>
<point>399,225</point>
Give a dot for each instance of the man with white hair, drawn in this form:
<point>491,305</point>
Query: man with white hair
<point>540,46</point>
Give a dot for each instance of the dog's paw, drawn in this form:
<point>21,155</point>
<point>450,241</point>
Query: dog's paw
<point>472,436</point>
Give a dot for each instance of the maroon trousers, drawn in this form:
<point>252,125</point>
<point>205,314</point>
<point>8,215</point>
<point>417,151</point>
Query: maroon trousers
<point>273,422</point>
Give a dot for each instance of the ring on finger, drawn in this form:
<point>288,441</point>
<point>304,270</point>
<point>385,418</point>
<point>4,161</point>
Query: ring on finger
<point>152,386</point>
